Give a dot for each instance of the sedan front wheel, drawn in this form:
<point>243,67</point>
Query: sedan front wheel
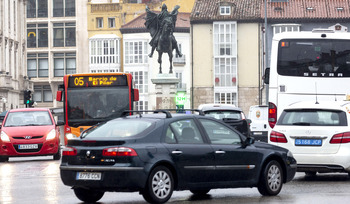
<point>271,179</point>
<point>160,185</point>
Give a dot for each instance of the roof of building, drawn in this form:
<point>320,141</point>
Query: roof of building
<point>138,24</point>
<point>241,10</point>
<point>205,11</point>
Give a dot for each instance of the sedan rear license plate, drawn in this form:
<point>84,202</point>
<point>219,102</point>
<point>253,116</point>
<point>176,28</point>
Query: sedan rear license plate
<point>308,142</point>
<point>89,176</point>
<point>28,146</point>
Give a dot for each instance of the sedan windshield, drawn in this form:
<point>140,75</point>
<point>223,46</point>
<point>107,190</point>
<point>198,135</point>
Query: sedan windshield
<point>119,129</point>
<point>313,117</point>
<point>28,118</point>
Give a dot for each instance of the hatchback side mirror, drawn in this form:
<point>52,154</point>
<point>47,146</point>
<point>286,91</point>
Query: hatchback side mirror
<point>60,123</point>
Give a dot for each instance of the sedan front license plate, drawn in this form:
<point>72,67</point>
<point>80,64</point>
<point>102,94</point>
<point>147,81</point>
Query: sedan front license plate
<point>89,176</point>
<point>28,146</point>
<point>308,142</point>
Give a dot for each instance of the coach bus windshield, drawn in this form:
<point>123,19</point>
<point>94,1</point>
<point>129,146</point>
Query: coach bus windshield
<point>314,58</point>
<point>86,106</point>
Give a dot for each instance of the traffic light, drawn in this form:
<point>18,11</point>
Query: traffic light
<point>27,96</point>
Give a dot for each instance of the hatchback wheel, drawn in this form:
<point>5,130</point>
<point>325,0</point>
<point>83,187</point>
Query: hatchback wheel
<point>57,156</point>
<point>4,159</point>
<point>87,195</point>
<point>160,185</point>
<point>271,179</point>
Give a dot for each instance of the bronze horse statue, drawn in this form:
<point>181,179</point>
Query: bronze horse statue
<point>161,27</point>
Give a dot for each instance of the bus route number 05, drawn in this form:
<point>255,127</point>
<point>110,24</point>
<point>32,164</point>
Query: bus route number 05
<point>78,81</point>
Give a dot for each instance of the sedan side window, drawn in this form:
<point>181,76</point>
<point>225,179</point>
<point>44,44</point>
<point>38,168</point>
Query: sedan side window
<point>185,132</point>
<point>220,134</point>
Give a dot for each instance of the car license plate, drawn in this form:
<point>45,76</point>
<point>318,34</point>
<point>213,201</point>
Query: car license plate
<point>28,146</point>
<point>308,142</point>
<point>89,176</point>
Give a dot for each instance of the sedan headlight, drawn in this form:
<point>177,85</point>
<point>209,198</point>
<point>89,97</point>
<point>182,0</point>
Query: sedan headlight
<point>290,154</point>
<point>4,137</point>
<point>51,135</point>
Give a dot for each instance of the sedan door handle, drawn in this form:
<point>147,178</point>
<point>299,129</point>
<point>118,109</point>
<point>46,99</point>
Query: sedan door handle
<point>176,152</point>
<point>220,152</point>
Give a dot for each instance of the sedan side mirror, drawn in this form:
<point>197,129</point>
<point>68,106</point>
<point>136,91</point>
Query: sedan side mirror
<point>248,141</point>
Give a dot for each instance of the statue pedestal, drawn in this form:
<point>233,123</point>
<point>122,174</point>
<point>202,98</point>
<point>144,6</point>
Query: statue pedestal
<point>165,90</point>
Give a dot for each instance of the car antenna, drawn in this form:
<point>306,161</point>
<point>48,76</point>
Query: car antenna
<point>316,93</point>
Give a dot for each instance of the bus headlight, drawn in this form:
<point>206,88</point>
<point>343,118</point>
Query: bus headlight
<point>71,136</point>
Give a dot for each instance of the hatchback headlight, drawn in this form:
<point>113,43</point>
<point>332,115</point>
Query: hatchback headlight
<point>51,135</point>
<point>290,154</point>
<point>4,137</point>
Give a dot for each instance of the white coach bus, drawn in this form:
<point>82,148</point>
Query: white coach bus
<point>308,66</point>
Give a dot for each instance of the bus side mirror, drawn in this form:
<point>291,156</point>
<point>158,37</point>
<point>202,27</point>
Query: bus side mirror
<point>136,95</point>
<point>59,95</point>
<point>267,75</point>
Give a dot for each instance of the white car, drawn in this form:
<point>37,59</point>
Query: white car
<point>318,135</point>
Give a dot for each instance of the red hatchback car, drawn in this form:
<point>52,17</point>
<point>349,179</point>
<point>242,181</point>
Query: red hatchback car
<point>29,132</point>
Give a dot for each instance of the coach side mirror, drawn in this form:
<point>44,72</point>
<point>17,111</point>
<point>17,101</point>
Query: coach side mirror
<point>267,75</point>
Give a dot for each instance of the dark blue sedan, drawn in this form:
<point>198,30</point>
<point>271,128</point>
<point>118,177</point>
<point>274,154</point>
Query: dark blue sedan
<point>158,153</point>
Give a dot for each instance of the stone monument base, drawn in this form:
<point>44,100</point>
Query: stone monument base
<point>165,90</point>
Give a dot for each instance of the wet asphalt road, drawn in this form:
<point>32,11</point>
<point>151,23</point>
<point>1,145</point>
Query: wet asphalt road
<point>36,180</point>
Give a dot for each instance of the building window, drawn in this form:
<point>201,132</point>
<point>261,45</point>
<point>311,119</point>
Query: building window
<point>64,63</point>
<point>104,55</point>
<point>64,34</point>
<point>226,98</point>
<point>141,80</point>
<point>42,94</point>
<point>37,35</point>
<point>99,22</point>
<point>280,28</point>
<point>135,52</point>
<point>37,8</point>
<point>111,22</point>
<point>225,62</point>
<point>37,65</point>
<point>177,59</point>
<point>181,84</point>
<point>225,10</point>
<point>62,8</point>
<point>141,105</point>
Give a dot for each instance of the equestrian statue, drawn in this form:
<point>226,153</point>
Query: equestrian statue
<point>161,27</point>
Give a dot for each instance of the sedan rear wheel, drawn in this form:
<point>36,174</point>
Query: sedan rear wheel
<point>160,185</point>
<point>87,195</point>
<point>271,179</point>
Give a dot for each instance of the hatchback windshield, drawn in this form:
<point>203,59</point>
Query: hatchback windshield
<point>28,118</point>
<point>313,117</point>
<point>119,129</point>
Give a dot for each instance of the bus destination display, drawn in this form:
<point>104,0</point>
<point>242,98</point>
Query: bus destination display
<point>97,81</point>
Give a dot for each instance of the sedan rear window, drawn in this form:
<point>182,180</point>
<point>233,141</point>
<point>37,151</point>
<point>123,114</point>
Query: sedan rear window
<point>313,117</point>
<point>119,129</point>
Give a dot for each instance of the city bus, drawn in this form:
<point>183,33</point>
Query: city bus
<point>92,98</point>
<point>313,65</point>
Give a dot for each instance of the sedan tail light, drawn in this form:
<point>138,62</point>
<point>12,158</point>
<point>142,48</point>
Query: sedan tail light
<point>278,137</point>
<point>69,151</point>
<point>119,152</point>
<point>340,138</point>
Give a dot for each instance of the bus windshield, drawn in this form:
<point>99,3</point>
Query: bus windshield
<point>87,106</point>
<point>314,58</point>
